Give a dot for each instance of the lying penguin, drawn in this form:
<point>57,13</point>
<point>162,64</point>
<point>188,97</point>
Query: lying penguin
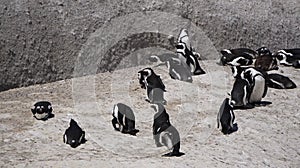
<point>74,135</point>
<point>42,110</point>
<point>237,56</point>
<point>278,81</point>
<point>124,119</point>
<point>164,133</point>
<point>288,57</point>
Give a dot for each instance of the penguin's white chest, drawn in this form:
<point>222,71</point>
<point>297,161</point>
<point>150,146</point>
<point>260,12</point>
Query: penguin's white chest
<point>258,89</point>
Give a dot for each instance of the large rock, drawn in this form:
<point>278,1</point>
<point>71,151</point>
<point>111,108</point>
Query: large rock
<point>43,41</point>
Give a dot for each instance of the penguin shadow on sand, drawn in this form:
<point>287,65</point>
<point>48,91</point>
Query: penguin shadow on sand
<point>226,118</point>
<point>164,133</point>
<point>42,110</point>
<point>124,119</point>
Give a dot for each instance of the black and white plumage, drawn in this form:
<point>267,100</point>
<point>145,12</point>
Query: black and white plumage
<point>186,54</point>
<point>74,135</point>
<point>124,119</point>
<point>258,84</point>
<point>237,56</point>
<point>280,82</point>
<point>153,84</point>
<point>178,70</point>
<point>42,110</point>
<point>265,60</point>
<point>226,118</point>
<point>164,133</point>
<point>288,57</point>
<point>240,94</point>
<point>148,76</point>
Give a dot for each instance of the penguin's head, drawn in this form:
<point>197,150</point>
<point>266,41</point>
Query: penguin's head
<point>183,36</point>
<point>264,51</point>
<point>280,56</point>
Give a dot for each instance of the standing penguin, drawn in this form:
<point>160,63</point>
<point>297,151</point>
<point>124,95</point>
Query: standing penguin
<point>265,61</point>
<point>258,84</point>
<point>74,135</point>
<point>226,118</point>
<point>153,84</point>
<point>124,119</point>
<point>240,94</point>
<point>164,133</point>
<point>186,54</point>
<point>42,110</point>
<point>178,70</point>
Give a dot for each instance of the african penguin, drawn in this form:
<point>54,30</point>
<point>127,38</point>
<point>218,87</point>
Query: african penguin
<point>265,60</point>
<point>74,135</point>
<point>237,56</point>
<point>240,94</point>
<point>226,117</point>
<point>164,133</point>
<point>186,54</point>
<point>258,84</point>
<point>288,56</point>
<point>178,71</point>
<point>154,86</point>
<point>42,110</point>
<point>148,76</point>
<point>124,119</point>
<point>280,82</point>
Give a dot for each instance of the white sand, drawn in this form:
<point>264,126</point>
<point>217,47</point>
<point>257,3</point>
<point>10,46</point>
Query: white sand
<point>267,136</point>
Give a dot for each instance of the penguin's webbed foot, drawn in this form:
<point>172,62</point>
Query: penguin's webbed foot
<point>171,154</point>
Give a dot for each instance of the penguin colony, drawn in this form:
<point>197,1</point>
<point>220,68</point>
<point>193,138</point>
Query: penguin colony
<point>250,72</point>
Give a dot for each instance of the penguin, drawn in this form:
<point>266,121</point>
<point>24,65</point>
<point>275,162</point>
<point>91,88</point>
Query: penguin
<point>148,77</point>
<point>177,70</point>
<point>280,82</point>
<point>239,51</point>
<point>258,84</point>
<point>74,135</point>
<point>186,54</point>
<point>226,118</point>
<point>124,119</point>
<point>154,86</point>
<point>287,57</point>
<point>265,60</point>
<point>42,110</point>
<point>240,94</point>
<point>237,56</point>
<point>164,134</point>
